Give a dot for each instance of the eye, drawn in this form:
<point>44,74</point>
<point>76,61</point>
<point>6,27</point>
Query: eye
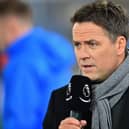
<point>92,43</point>
<point>77,44</point>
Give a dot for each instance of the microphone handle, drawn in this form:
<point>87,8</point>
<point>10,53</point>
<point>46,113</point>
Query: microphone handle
<point>76,114</point>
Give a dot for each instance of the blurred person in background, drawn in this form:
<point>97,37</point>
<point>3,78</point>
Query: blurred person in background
<point>1,97</point>
<point>3,61</point>
<point>38,60</point>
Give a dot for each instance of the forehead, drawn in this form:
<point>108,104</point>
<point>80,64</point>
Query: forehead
<point>87,30</point>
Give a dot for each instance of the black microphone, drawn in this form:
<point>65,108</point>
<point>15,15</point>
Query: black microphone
<point>78,97</point>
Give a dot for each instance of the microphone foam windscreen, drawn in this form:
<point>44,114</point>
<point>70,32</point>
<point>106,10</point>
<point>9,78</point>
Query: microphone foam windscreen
<point>80,92</point>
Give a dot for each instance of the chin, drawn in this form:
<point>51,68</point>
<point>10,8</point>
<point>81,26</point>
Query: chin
<point>92,78</point>
<point>86,75</point>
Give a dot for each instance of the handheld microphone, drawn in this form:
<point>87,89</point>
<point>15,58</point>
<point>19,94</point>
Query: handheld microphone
<point>78,97</point>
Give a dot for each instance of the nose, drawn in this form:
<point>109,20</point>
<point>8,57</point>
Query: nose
<point>84,52</point>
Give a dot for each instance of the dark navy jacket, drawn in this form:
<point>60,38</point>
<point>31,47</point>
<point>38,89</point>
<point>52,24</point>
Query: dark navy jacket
<point>58,110</point>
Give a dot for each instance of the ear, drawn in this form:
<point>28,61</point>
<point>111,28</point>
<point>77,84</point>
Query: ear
<point>12,29</point>
<point>13,25</point>
<point>121,45</point>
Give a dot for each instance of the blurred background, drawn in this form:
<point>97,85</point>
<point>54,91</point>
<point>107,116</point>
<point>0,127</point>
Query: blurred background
<point>55,15</point>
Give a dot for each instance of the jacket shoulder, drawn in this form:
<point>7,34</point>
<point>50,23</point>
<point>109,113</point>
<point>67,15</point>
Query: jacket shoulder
<point>59,94</point>
<point>60,90</point>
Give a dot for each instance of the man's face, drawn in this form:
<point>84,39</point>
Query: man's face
<point>3,32</point>
<point>97,55</point>
<point>6,31</point>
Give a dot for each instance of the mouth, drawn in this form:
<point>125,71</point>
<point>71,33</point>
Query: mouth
<point>87,65</point>
<point>87,68</point>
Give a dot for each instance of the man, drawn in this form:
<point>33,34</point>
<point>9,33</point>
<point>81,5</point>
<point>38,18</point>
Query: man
<point>100,33</point>
<point>36,62</point>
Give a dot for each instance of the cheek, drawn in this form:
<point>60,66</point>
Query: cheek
<point>77,55</point>
<point>106,61</point>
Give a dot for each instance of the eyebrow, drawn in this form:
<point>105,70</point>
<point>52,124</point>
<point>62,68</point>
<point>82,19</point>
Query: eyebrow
<point>86,41</point>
